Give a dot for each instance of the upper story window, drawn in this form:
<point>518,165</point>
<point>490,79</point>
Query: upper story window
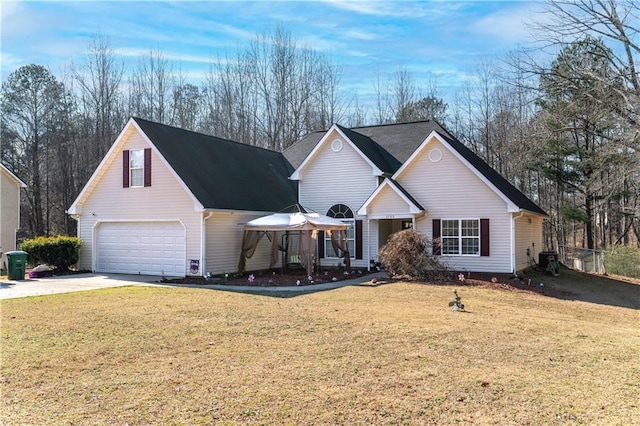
<point>345,214</point>
<point>136,170</point>
<point>136,167</point>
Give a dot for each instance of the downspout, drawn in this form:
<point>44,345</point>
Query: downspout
<point>203,248</point>
<point>513,241</point>
<point>76,217</point>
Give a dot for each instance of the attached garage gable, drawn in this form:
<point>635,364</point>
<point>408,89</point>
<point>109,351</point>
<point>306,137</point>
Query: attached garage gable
<point>148,248</point>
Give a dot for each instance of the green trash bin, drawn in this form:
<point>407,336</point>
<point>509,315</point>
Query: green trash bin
<point>17,264</point>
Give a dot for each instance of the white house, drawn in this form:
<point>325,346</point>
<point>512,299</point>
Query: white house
<point>170,201</point>
<point>166,201</point>
<point>10,187</point>
<point>383,179</point>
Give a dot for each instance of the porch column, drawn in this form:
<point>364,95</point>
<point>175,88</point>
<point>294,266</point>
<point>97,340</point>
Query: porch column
<point>368,246</point>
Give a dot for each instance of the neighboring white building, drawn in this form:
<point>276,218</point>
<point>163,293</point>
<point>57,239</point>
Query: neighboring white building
<point>170,201</point>
<point>10,187</point>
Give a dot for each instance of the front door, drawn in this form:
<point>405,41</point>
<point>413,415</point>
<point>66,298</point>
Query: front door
<point>386,227</point>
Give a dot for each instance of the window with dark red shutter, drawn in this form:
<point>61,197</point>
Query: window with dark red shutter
<point>437,247</point>
<point>321,244</point>
<point>125,168</point>
<point>358,239</point>
<point>147,167</point>
<point>484,237</point>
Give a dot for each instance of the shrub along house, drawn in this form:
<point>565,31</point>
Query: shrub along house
<point>170,201</point>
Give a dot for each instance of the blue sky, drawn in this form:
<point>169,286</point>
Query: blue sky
<point>441,41</point>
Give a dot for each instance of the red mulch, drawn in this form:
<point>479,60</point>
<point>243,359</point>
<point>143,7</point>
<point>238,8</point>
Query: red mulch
<point>504,282</point>
<point>508,283</point>
<point>272,279</point>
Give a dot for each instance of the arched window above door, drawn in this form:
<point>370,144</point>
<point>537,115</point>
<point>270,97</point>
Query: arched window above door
<point>345,214</point>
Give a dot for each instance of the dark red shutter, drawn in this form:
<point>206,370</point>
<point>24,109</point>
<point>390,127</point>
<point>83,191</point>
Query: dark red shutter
<point>437,246</point>
<point>358,239</point>
<point>125,168</point>
<point>147,167</point>
<point>320,244</point>
<point>484,237</point>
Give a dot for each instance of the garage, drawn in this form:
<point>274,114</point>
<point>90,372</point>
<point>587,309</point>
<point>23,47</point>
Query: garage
<point>148,248</point>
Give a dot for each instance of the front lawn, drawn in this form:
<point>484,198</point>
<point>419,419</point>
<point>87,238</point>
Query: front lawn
<point>384,354</point>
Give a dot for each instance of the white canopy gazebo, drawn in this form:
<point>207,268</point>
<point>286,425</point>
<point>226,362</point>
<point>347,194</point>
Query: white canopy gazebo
<point>305,225</point>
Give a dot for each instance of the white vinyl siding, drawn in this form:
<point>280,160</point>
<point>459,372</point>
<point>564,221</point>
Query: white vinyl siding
<point>389,205</point>
<point>9,215</point>
<point>448,189</point>
<point>166,200</point>
<point>528,236</point>
<point>224,233</point>
<point>342,177</point>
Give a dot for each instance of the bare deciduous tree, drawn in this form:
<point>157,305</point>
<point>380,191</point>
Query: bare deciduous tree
<point>31,103</point>
<point>98,79</point>
<point>617,23</point>
<point>150,85</point>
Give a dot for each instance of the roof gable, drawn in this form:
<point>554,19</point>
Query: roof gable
<point>398,141</point>
<point>360,141</point>
<point>6,172</point>
<point>223,174</point>
<point>515,199</point>
<point>386,162</point>
<point>392,146</point>
<point>414,206</point>
<point>101,169</point>
<point>217,173</point>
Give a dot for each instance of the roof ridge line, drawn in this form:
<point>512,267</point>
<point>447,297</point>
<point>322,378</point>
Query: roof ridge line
<point>204,134</point>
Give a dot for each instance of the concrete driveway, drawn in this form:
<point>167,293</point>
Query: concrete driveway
<point>10,289</point>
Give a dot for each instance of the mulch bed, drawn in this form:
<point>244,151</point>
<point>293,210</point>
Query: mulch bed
<point>273,278</point>
<point>504,282</point>
<point>508,283</point>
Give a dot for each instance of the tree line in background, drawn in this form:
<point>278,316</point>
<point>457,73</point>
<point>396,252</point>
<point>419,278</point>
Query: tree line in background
<point>566,133</point>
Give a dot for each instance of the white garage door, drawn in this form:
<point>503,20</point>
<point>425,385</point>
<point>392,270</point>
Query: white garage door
<point>148,248</point>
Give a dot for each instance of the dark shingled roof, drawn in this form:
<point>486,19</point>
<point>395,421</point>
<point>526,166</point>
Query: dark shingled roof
<point>297,152</point>
<point>398,141</point>
<point>513,193</point>
<point>406,193</point>
<point>223,174</point>
<point>389,146</point>
<point>376,153</point>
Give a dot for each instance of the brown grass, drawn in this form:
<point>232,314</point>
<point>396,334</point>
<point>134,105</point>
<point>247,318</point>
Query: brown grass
<point>386,354</point>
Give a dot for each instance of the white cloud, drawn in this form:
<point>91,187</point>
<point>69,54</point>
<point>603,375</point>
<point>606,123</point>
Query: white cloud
<point>135,52</point>
<point>9,63</point>
<point>361,35</point>
<point>380,8</point>
<point>7,9</point>
<point>232,31</point>
<point>507,24</point>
